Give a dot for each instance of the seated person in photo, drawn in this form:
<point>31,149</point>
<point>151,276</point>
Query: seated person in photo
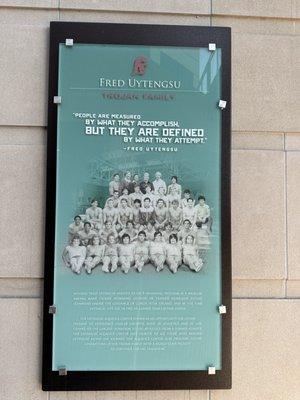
<point>75,227</point>
<point>161,195</point>
<point>108,230</point>
<point>174,188</point>
<point>202,213</point>
<point>129,230</point>
<point>124,214</point>
<point>74,255</point>
<point>175,215</point>
<point>136,213</point>
<point>160,214</point>
<point>159,182</point>
<point>190,254</point>
<point>141,251</point>
<point>86,234</point>
<point>185,230</point>
<point>147,212</point>
<point>94,215</point>
<point>149,194</point>
<point>173,253</point>
<point>173,195</point>
<point>146,182</point>
<point>150,231</point>
<point>186,196</point>
<point>114,184</point>
<point>110,213</point>
<point>110,256</point>
<point>189,212</point>
<point>157,251</point>
<point>126,253</point>
<point>126,182</point>
<point>94,254</point>
<point>167,232</point>
<point>136,195</point>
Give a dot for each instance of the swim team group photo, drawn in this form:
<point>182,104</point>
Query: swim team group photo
<point>146,223</point>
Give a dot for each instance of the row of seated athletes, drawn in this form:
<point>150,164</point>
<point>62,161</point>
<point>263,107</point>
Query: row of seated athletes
<point>133,255</point>
<point>117,196</point>
<point>199,216</point>
<point>86,234</point>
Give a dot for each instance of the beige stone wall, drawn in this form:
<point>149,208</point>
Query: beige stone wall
<point>265,187</point>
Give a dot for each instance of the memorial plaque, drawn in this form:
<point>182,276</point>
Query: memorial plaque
<point>138,250</point>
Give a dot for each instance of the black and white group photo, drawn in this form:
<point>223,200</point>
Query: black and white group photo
<point>148,223</point>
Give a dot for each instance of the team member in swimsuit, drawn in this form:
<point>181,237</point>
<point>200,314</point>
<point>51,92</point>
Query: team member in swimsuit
<point>167,232</point>
<point>94,215</point>
<point>108,230</point>
<point>160,214</point>
<point>175,215</point>
<point>185,230</point>
<point>75,227</point>
<point>136,213</point>
<point>141,252</point>
<point>137,194</point>
<point>94,254</point>
<point>150,195</point>
<point>161,195</point>
<point>74,255</point>
<point>126,253</point>
<point>191,254</point>
<point>157,250</point>
<point>186,197</point>
<point>150,231</point>
<point>110,213</point>
<point>130,231</point>
<point>110,257</point>
<point>173,253</point>
<point>86,234</point>
<point>124,215</point>
<point>147,212</point>
<point>190,212</point>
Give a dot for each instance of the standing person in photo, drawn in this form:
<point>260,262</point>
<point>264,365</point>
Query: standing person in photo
<point>145,182</point>
<point>114,184</point>
<point>174,188</point>
<point>126,182</point>
<point>159,182</point>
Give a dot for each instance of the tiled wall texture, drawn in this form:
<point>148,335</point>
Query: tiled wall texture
<point>265,187</point>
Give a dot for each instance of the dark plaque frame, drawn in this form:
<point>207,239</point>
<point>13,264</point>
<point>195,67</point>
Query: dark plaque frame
<point>154,35</point>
